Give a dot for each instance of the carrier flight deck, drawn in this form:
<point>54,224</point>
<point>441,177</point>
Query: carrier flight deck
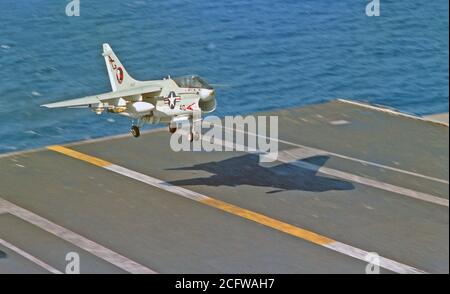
<point>353,184</point>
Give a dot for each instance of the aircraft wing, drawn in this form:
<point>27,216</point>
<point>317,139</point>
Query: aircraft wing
<point>95,99</point>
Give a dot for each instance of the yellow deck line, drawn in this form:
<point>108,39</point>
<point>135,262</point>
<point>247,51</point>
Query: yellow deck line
<point>78,155</point>
<point>241,212</point>
<point>218,204</point>
<point>268,221</point>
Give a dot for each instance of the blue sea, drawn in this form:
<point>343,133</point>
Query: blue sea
<point>264,54</point>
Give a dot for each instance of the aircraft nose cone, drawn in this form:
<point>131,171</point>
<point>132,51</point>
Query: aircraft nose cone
<point>206,93</point>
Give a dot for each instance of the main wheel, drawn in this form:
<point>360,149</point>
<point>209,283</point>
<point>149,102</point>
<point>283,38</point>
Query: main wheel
<point>135,131</point>
<point>172,130</point>
<point>191,137</point>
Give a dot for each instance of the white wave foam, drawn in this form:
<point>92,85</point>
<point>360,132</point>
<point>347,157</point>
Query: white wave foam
<point>31,132</point>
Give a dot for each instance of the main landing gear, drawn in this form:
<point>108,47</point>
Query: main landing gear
<point>192,135</point>
<point>135,131</point>
<point>172,130</point>
<point>136,125</point>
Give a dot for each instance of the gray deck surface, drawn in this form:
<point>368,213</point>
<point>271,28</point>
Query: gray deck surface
<point>172,234</point>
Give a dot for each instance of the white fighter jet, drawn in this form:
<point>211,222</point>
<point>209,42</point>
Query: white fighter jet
<point>170,100</point>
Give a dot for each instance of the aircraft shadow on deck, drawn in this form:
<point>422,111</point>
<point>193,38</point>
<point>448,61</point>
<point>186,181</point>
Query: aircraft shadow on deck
<point>246,170</point>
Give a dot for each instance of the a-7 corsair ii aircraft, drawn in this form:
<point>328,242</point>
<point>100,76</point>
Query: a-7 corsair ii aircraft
<point>170,100</point>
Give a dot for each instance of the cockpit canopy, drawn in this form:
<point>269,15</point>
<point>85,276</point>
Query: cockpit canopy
<point>192,81</point>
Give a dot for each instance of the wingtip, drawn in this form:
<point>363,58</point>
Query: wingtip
<point>49,105</point>
<point>106,49</point>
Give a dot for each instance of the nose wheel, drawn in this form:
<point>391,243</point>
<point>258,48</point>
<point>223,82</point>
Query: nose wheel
<point>193,136</point>
<point>135,131</point>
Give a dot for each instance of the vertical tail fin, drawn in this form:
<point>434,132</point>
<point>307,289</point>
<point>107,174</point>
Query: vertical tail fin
<point>118,75</point>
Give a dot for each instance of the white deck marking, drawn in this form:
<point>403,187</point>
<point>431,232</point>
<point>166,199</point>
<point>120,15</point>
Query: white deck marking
<point>364,162</point>
<point>335,245</point>
<point>29,257</point>
<point>292,157</point>
<point>391,111</point>
<point>160,184</point>
<point>384,262</point>
<point>76,239</point>
<point>339,122</point>
<point>288,157</point>
<point>238,211</point>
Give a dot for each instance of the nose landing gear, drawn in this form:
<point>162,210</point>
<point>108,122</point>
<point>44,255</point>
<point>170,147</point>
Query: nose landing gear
<point>193,136</point>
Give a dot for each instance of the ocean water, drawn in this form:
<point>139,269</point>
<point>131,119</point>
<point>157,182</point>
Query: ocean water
<point>264,54</point>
